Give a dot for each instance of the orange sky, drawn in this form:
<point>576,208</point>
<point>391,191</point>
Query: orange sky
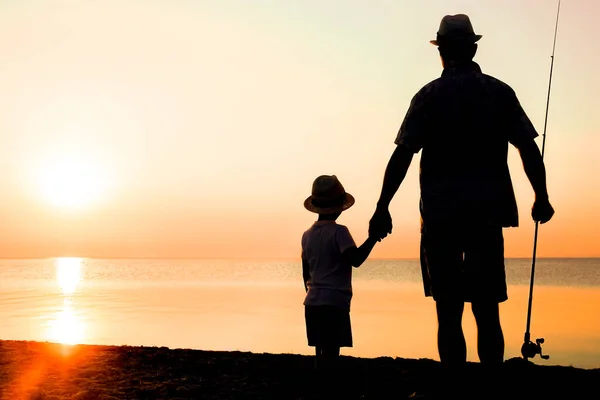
<point>195,129</point>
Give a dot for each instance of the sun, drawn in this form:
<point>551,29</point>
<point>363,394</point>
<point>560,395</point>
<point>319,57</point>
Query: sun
<point>72,182</point>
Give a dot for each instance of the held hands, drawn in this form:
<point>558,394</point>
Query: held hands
<point>380,224</point>
<point>542,211</point>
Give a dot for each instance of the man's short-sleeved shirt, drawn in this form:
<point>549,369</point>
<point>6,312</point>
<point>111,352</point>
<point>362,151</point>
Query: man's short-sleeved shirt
<point>330,276</point>
<point>463,122</point>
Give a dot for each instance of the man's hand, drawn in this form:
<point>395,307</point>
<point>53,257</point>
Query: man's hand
<point>380,224</point>
<point>542,211</point>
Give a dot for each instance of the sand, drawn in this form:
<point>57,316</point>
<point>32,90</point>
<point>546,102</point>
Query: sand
<point>31,370</point>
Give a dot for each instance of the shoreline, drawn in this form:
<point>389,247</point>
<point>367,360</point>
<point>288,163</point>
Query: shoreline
<point>41,370</point>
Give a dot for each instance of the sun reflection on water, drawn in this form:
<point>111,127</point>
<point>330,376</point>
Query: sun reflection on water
<point>66,325</point>
<point>68,274</point>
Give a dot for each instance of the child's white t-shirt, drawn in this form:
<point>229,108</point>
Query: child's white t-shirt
<point>330,280</point>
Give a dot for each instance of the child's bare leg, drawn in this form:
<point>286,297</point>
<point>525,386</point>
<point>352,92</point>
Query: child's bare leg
<point>318,356</point>
<point>331,355</point>
<point>331,351</point>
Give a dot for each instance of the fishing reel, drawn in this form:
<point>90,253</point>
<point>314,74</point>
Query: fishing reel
<point>530,349</point>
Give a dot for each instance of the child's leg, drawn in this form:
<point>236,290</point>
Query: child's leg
<point>331,351</point>
<point>318,356</point>
<point>330,355</point>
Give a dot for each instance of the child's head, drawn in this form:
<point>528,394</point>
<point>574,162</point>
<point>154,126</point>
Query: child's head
<point>328,198</point>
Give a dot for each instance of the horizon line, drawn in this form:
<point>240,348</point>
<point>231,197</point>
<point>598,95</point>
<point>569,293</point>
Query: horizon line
<point>262,258</point>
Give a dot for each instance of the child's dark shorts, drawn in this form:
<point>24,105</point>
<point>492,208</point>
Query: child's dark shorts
<point>328,326</point>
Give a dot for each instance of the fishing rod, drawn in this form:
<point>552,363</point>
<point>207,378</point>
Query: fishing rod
<point>530,349</point>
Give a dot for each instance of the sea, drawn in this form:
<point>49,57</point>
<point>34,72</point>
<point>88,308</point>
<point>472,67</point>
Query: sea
<point>256,305</point>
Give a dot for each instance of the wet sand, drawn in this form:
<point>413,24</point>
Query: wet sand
<point>31,370</point>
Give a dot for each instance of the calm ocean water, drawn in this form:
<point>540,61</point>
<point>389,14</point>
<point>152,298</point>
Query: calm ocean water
<point>255,305</point>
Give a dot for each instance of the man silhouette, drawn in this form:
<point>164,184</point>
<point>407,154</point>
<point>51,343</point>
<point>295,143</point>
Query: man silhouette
<point>463,122</point>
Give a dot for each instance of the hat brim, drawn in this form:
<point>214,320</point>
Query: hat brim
<point>348,202</point>
<point>474,39</point>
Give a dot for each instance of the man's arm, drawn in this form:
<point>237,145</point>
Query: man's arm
<point>395,173</point>
<point>533,165</point>
<point>535,170</point>
<point>305,272</point>
<point>410,139</point>
<point>355,256</point>
<point>521,134</point>
<point>380,224</point>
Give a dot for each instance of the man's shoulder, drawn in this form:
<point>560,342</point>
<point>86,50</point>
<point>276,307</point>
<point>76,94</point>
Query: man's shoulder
<point>443,81</point>
<point>428,88</point>
<point>495,82</point>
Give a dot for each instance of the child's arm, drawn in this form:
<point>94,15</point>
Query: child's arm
<point>305,273</point>
<point>357,255</point>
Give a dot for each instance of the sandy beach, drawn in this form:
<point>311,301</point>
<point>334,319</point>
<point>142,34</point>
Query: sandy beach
<point>32,370</point>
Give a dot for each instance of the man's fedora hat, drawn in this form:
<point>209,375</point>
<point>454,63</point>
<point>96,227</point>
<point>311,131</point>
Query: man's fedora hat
<point>328,196</point>
<point>455,28</point>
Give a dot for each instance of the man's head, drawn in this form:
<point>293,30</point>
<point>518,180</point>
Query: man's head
<point>457,52</point>
<point>456,39</point>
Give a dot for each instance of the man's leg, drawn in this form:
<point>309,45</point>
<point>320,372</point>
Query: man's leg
<point>490,339</point>
<point>490,345</point>
<point>484,262</point>
<point>451,346</point>
<point>441,267</point>
<point>441,263</point>
<point>451,340</point>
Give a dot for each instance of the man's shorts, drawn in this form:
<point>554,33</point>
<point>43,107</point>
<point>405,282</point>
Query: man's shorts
<point>463,263</point>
